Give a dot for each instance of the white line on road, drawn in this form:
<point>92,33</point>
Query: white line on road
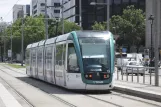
<point>7,98</point>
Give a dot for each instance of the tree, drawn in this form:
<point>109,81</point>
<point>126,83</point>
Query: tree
<point>130,26</point>
<point>34,31</point>
<point>99,26</point>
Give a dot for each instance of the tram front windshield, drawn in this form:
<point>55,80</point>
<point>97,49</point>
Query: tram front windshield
<point>95,54</point>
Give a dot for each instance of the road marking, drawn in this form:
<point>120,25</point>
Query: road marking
<point>7,98</point>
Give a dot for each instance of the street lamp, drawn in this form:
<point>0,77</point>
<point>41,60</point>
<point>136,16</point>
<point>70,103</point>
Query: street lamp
<point>151,18</point>
<point>108,10</point>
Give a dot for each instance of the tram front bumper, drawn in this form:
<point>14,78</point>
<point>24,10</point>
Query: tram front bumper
<point>99,87</point>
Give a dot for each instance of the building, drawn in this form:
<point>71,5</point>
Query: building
<point>26,9</point>
<point>153,8</point>
<point>38,7</point>
<point>20,11</point>
<point>17,12</point>
<point>91,13</point>
<point>3,25</point>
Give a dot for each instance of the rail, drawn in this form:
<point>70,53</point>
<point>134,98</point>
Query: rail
<point>143,75</point>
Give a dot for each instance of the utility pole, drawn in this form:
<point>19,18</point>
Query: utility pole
<point>158,5</point>
<point>11,43</point>
<point>80,13</point>
<point>4,46</point>
<point>46,20</point>
<point>62,16</point>
<point>22,38</point>
<point>108,14</point>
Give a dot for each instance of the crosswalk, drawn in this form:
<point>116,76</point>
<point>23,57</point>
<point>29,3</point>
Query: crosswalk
<point>6,99</point>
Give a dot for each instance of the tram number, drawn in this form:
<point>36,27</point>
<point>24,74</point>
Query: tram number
<point>98,82</point>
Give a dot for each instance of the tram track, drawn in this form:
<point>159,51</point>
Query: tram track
<point>19,94</point>
<point>71,105</point>
<point>66,102</point>
<point>53,96</point>
<point>89,96</point>
<point>104,101</point>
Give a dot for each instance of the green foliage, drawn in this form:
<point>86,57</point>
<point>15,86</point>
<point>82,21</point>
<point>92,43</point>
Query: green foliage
<point>99,26</point>
<point>130,26</point>
<point>16,66</point>
<point>34,31</point>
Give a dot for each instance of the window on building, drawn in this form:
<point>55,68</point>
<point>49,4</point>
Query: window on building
<point>42,4</point>
<point>56,4</point>
<point>134,1</point>
<point>42,10</point>
<point>56,11</point>
<point>116,2</point>
<point>35,11</point>
<point>35,6</point>
<point>125,1</point>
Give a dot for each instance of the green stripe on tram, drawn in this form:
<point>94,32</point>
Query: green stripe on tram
<point>78,52</point>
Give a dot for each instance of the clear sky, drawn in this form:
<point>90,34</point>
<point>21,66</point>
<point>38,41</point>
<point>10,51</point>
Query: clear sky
<point>6,6</point>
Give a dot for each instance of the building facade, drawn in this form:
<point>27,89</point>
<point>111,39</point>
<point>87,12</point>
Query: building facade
<point>152,8</point>
<point>91,13</point>
<point>17,12</point>
<point>20,11</point>
<point>37,7</point>
<point>26,9</point>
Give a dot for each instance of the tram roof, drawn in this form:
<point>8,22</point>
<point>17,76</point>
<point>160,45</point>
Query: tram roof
<point>62,37</point>
<point>29,46</point>
<point>50,41</point>
<point>35,45</point>
<point>92,33</point>
<point>41,43</point>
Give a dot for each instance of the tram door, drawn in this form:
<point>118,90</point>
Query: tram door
<point>48,63</point>
<point>73,75</point>
<point>60,64</point>
<point>33,63</point>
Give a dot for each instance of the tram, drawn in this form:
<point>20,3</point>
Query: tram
<point>82,60</point>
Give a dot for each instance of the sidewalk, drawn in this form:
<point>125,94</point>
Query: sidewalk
<point>141,90</point>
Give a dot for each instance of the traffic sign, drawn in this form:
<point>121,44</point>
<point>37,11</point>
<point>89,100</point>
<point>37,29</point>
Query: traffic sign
<point>9,53</point>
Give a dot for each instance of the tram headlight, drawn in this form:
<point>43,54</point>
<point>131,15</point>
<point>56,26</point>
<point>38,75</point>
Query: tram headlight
<point>86,76</point>
<point>106,76</point>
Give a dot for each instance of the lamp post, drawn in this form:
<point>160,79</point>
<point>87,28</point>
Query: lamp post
<point>151,18</point>
<point>108,10</point>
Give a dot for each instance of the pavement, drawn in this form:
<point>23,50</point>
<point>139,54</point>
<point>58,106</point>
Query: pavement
<point>141,90</point>
<point>10,99</point>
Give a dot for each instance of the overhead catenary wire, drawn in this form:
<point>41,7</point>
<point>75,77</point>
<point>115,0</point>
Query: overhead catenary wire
<point>10,10</point>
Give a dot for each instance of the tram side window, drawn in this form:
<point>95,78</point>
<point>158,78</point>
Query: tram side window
<point>48,58</point>
<point>34,58</point>
<point>39,58</point>
<point>72,59</point>
<point>59,51</point>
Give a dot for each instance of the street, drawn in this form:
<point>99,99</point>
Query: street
<point>42,94</point>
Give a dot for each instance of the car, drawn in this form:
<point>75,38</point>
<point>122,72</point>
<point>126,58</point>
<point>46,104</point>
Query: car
<point>134,67</point>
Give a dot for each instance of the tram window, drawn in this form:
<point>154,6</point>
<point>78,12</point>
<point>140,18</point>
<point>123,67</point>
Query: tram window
<point>59,51</point>
<point>48,57</point>
<point>39,58</point>
<point>72,59</point>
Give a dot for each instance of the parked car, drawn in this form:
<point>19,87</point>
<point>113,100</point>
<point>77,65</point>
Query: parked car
<point>134,67</point>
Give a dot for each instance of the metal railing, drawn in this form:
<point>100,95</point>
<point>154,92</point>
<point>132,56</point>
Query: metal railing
<point>143,75</point>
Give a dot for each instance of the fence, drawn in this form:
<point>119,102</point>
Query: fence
<point>143,75</point>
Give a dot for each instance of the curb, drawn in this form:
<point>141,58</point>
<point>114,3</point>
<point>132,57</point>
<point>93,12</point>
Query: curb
<point>150,95</point>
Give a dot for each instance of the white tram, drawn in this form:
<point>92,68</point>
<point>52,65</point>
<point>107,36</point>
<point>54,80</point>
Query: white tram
<point>78,60</point>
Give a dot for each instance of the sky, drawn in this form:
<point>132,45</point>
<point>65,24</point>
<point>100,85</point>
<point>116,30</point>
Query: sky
<point>6,6</point>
